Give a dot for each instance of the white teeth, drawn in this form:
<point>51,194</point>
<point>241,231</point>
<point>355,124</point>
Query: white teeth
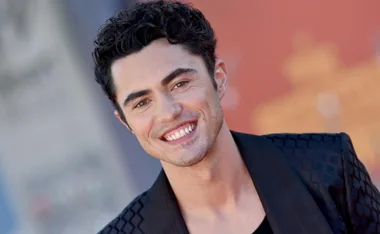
<point>181,133</point>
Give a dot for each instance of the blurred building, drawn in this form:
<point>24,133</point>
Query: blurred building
<point>66,163</point>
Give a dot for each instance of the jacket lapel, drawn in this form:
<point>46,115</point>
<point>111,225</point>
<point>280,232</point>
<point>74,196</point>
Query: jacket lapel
<point>289,206</point>
<point>286,201</point>
<point>162,209</point>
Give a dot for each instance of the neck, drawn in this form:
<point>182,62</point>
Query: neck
<point>215,183</point>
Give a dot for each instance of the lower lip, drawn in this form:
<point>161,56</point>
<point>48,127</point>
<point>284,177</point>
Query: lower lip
<point>183,139</point>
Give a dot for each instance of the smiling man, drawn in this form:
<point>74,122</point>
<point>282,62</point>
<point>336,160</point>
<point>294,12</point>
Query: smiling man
<point>169,105</point>
<point>156,62</point>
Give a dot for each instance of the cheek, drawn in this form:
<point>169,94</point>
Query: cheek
<point>196,98</point>
<point>141,126</point>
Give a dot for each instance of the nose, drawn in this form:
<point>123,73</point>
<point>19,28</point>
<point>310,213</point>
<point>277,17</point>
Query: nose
<point>168,110</point>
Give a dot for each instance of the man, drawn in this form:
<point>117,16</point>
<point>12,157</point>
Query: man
<point>156,62</point>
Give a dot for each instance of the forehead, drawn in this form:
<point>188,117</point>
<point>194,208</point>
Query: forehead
<point>149,66</point>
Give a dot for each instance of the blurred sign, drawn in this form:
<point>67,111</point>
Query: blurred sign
<point>59,156</point>
<point>300,72</point>
<point>327,96</point>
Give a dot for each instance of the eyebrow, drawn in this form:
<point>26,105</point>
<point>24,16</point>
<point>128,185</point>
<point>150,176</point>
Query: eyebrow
<point>169,78</point>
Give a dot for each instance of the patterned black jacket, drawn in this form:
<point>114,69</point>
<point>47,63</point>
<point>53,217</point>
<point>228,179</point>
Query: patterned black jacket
<point>307,183</point>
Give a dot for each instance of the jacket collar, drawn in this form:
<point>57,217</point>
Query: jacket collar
<point>286,201</point>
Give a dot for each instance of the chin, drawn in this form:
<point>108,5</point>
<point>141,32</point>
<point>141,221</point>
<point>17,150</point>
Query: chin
<point>187,160</point>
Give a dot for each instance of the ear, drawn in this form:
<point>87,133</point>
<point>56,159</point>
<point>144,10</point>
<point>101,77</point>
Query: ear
<point>117,115</point>
<point>221,78</point>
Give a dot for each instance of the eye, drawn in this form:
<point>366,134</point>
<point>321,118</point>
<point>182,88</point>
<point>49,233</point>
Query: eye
<point>180,84</point>
<point>141,103</point>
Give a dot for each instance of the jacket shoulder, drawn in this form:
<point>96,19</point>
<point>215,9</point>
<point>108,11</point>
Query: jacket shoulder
<point>331,142</point>
<point>130,219</point>
<point>311,153</point>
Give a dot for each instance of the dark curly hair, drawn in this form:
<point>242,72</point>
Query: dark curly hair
<point>132,29</point>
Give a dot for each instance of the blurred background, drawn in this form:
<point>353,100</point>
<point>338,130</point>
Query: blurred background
<point>68,166</point>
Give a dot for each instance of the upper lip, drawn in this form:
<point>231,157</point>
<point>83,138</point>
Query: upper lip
<point>175,127</point>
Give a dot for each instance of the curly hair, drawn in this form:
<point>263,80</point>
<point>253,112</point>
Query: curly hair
<point>132,29</point>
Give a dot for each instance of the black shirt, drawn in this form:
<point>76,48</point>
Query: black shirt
<point>264,228</point>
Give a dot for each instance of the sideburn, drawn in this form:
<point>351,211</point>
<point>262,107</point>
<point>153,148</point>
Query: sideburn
<point>122,116</point>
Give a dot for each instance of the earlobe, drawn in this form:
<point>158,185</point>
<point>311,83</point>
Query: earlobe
<point>221,90</point>
<point>221,77</point>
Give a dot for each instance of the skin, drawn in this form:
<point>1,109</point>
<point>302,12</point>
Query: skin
<point>164,86</point>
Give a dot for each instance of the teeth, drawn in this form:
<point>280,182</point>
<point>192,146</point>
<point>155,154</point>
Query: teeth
<point>180,133</point>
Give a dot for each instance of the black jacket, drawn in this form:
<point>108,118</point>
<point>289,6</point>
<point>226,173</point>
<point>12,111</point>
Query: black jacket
<point>307,183</point>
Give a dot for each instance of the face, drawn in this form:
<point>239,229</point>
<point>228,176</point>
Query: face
<point>169,100</point>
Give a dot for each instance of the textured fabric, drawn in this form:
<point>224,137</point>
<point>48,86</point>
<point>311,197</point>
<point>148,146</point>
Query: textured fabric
<point>326,164</point>
<point>287,202</point>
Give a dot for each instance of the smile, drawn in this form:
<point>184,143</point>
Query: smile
<point>180,132</point>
